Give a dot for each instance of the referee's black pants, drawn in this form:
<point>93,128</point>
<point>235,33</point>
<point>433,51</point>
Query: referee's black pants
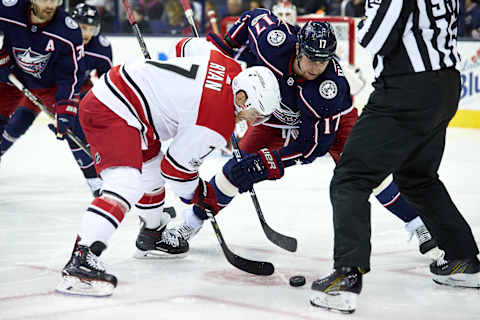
<point>401,131</point>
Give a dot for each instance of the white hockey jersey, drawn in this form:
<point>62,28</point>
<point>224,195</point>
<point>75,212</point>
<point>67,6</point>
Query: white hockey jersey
<point>189,100</point>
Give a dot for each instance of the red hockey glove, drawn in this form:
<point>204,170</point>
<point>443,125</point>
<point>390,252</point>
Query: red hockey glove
<point>65,114</point>
<point>206,197</point>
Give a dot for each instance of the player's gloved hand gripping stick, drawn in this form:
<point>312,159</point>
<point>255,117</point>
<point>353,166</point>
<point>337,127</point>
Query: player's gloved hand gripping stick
<point>36,101</point>
<point>250,266</point>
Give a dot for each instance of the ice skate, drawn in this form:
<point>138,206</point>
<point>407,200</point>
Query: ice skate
<point>426,244</point>
<point>85,274</point>
<point>456,273</point>
<point>186,230</point>
<point>338,291</point>
<point>160,243</point>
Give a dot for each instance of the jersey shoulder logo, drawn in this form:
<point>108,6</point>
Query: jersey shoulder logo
<point>72,24</point>
<point>276,38</point>
<point>9,3</point>
<point>31,62</point>
<point>328,89</point>
<point>103,41</point>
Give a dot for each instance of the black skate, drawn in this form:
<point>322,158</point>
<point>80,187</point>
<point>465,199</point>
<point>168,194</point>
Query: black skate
<point>160,243</point>
<point>85,274</point>
<point>338,291</point>
<point>456,273</point>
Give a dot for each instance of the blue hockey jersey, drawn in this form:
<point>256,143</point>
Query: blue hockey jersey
<point>45,55</point>
<point>314,107</point>
<point>98,56</point>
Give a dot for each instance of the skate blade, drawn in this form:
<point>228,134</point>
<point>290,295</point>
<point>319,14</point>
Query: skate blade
<point>156,254</point>
<point>435,254</point>
<point>460,280</point>
<point>344,302</point>
<point>84,287</point>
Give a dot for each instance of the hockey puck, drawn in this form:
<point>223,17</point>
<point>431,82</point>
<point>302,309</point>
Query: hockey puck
<point>297,281</point>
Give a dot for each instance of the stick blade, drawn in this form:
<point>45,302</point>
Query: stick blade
<point>281,240</point>
<point>259,268</point>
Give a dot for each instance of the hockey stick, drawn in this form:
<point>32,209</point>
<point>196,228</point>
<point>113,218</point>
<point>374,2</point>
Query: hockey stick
<point>36,101</point>
<point>281,240</point>
<point>136,29</point>
<point>250,266</point>
<point>213,22</point>
<point>189,14</point>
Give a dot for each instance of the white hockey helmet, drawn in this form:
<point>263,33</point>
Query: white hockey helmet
<point>286,11</point>
<point>262,90</point>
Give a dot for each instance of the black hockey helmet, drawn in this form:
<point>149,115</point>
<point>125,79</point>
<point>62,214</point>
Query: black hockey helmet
<point>86,14</point>
<point>317,41</point>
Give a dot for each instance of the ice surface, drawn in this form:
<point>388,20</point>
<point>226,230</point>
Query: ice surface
<point>43,196</point>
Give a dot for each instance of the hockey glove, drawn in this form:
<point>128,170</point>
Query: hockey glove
<point>263,165</point>
<point>6,65</point>
<point>65,114</point>
<point>205,197</point>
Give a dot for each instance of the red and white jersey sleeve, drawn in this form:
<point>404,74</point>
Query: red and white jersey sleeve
<point>190,47</point>
<point>189,100</point>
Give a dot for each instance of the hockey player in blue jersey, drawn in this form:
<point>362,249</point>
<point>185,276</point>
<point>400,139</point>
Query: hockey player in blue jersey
<point>98,57</point>
<point>44,47</point>
<point>316,117</point>
<point>98,51</point>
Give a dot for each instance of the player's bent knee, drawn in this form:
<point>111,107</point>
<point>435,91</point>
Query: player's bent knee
<point>123,183</point>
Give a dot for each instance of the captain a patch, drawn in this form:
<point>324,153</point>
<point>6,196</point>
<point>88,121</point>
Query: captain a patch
<point>328,89</point>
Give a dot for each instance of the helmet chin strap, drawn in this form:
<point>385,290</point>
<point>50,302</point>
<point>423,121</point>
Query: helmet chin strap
<point>34,9</point>
<point>298,57</point>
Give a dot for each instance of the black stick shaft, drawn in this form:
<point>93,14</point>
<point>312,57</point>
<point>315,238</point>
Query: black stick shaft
<point>283,241</point>
<point>136,29</point>
<point>36,101</point>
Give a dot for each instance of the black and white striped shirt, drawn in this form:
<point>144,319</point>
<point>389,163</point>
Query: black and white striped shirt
<point>407,36</point>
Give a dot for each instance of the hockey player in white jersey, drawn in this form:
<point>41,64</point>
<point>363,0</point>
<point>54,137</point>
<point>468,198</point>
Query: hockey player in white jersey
<point>194,101</point>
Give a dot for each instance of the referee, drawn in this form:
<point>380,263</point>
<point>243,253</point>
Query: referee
<point>401,130</point>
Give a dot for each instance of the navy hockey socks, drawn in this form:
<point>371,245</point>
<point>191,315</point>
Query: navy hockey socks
<point>394,202</point>
<point>83,160</point>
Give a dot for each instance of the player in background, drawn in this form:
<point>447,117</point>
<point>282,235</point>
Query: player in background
<point>316,114</point>
<point>43,47</point>
<point>193,101</point>
<point>98,50</point>
<point>98,57</point>
<point>286,11</point>
<point>97,61</point>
